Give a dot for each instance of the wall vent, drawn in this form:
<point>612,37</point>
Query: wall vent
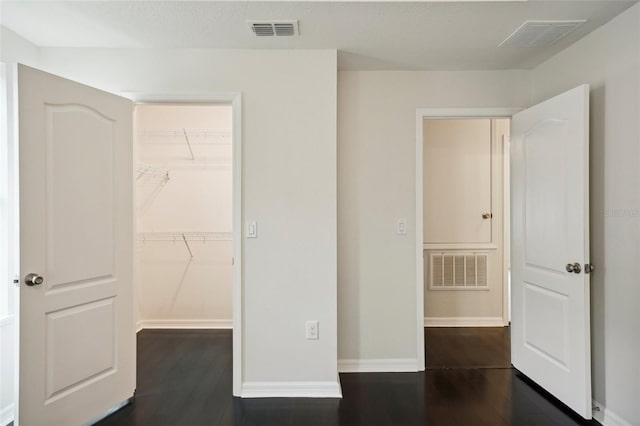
<point>540,33</point>
<point>458,271</point>
<point>274,28</point>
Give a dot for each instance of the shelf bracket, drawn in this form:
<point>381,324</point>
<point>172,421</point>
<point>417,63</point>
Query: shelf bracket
<point>186,243</point>
<point>186,138</point>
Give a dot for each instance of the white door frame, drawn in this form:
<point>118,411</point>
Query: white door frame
<point>437,113</point>
<point>13,218</point>
<point>235,100</point>
<point>10,247</point>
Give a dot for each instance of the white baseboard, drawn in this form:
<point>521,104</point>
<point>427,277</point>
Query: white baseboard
<point>386,365</point>
<point>464,322</point>
<point>186,324</point>
<point>607,417</point>
<point>6,415</point>
<point>291,390</point>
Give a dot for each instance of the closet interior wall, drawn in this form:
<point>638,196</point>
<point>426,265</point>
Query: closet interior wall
<point>184,216</point>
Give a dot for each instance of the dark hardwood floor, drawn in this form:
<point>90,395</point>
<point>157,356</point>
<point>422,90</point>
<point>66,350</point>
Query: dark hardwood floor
<point>467,347</point>
<point>184,379</point>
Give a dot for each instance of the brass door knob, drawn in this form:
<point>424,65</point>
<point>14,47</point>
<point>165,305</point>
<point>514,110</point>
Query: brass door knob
<point>487,215</point>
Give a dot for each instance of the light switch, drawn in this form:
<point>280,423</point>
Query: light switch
<point>401,227</point>
<point>252,230</point>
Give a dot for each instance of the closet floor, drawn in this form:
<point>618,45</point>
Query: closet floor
<point>185,379</point>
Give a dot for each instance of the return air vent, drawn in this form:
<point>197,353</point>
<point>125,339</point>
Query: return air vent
<point>274,28</point>
<point>458,271</point>
<point>540,33</point>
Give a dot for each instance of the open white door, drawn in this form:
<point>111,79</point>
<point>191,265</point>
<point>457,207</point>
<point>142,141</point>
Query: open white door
<point>77,340</point>
<point>550,328</point>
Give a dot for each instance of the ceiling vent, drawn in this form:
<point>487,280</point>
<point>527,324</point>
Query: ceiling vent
<point>540,33</point>
<point>274,28</point>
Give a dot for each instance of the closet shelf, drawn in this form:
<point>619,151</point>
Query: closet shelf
<point>177,237</point>
<point>186,238</point>
<point>193,136</point>
<point>150,174</point>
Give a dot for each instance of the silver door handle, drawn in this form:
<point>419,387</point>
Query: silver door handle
<point>574,267</point>
<point>33,279</point>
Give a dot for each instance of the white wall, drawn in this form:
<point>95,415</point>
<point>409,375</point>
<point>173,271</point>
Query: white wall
<point>179,285</point>
<point>289,184</point>
<point>376,185</point>
<point>7,290</point>
<point>14,48</point>
<point>7,362</point>
<point>609,60</point>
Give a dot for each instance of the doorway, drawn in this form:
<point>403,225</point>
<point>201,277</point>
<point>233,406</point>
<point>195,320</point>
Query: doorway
<point>465,188</point>
<point>549,199</point>
<point>189,153</point>
<point>462,199</point>
<point>184,244</point>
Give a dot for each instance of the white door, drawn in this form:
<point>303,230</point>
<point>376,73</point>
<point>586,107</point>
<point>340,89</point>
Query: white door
<point>550,334</point>
<point>77,347</point>
<point>457,181</point>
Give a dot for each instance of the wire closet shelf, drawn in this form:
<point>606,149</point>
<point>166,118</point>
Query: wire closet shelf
<point>150,174</point>
<point>198,136</point>
<point>202,237</point>
<point>186,238</point>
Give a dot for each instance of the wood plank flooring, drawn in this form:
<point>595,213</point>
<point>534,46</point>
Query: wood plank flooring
<point>185,379</point>
<point>467,347</point>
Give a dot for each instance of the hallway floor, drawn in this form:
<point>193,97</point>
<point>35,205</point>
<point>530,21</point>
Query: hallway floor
<point>467,347</point>
<point>184,379</point>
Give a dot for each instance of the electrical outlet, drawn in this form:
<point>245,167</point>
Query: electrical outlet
<point>312,330</point>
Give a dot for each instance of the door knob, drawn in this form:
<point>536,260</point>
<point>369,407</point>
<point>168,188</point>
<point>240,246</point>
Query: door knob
<point>487,215</point>
<point>574,267</point>
<point>33,279</point>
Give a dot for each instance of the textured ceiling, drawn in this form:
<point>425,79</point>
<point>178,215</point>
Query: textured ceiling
<point>376,35</point>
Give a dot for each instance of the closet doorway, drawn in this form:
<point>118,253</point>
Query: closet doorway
<point>185,216</point>
<point>466,242</point>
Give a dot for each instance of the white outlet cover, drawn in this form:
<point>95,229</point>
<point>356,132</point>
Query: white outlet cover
<point>312,332</point>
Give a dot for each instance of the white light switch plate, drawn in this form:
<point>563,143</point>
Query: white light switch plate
<point>252,230</point>
<point>401,227</point>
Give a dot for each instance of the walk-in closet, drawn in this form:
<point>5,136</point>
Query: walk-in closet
<point>184,216</point>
